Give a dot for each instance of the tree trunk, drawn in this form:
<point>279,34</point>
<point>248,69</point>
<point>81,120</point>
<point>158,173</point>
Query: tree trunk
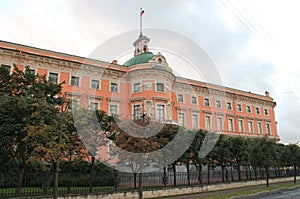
<point>188,173</point>
<point>231,172</point>
<point>140,185</point>
<point>200,174</point>
<point>295,173</point>
<point>165,177</point>
<point>267,175</point>
<point>255,173</point>
<point>55,183</point>
<point>239,172</point>
<point>222,168</point>
<point>134,180</point>
<point>20,180</point>
<point>174,174</point>
<point>91,174</point>
<point>208,176</point>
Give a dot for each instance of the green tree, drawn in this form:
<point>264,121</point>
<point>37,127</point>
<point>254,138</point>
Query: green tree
<point>291,157</point>
<point>28,110</point>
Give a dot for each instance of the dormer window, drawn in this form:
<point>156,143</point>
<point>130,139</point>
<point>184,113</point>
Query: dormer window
<point>159,61</point>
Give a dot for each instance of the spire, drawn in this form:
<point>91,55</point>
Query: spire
<point>141,44</point>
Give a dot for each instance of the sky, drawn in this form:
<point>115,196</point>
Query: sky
<point>254,44</point>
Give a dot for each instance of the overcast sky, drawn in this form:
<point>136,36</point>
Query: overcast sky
<point>254,44</point>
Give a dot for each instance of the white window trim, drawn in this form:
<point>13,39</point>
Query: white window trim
<point>196,100</point>
<point>198,120</point>
<point>233,129</point>
<point>58,76</point>
<point>237,105</point>
<point>262,129</point>
<point>148,82</point>
<point>243,125</point>
<point>140,87</point>
<point>258,110</point>
<point>165,87</point>
<point>91,79</point>
<point>210,122</point>
<point>268,133</point>
<point>132,110</point>
<point>165,111</point>
<point>183,101</point>
<point>222,123</point>
<point>209,102</point>
<point>220,104</point>
<point>247,108</point>
<point>118,108</point>
<point>252,127</point>
<point>230,105</point>
<point>70,78</point>
<point>184,117</point>
<point>95,101</point>
<point>118,84</point>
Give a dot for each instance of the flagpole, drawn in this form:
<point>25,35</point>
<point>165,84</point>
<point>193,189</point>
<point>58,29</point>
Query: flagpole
<point>141,22</point>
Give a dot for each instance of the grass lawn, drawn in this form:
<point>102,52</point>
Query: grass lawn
<point>252,191</point>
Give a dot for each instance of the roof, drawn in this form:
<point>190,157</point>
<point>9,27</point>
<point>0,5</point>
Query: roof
<point>139,59</point>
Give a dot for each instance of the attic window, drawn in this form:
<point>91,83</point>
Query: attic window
<point>159,60</point>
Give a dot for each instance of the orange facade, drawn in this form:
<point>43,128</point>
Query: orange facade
<point>149,88</point>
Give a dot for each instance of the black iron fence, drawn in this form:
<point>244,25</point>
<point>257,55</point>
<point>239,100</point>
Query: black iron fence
<point>40,184</point>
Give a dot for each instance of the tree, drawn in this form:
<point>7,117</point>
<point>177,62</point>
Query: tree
<point>291,155</point>
<point>28,110</point>
<point>262,153</point>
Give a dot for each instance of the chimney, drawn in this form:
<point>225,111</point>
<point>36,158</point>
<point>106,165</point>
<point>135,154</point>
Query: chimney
<point>267,94</point>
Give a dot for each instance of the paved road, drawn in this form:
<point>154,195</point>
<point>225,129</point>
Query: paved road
<point>283,195</point>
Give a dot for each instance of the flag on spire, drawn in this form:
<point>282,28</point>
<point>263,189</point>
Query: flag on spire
<point>142,12</point>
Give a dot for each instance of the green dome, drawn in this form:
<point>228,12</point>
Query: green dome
<point>139,59</point>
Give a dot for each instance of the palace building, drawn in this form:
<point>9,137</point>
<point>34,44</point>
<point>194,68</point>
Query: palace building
<point>146,85</point>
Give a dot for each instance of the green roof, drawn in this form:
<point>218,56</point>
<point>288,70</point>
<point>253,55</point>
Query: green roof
<point>139,59</point>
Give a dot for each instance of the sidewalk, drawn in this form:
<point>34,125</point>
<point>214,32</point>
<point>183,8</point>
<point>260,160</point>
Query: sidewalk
<point>235,189</point>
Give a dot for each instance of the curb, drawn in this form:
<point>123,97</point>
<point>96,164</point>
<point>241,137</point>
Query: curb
<point>265,193</point>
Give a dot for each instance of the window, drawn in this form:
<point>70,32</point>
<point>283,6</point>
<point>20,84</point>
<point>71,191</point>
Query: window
<point>137,111</point>
<point>114,87</point>
<point>160,112</point>
<point>148,85</point>
<point>160,87</point>
<point>266,112</point>
<point>268,127</point>
<point>257,111</point>
<point>112,151</point>
<point>7,67</point>
<point>206,102</point>
<point>250,126</point>
<point>207,122</point>
<point>248,109</point>
<point>218,104</point>
<point>259,128</point>
<point>32,71</point>
<point>239,107</point>
<point>181,120</point>
<point>241,126</point>
<point>195,124</point>
<point>94,106</point>
<point>74,81</point>
<point>113,109</point>
<point>75,104</point>
<point>219,123</point>
<point>180,98</point>
<point>229,106</point>
<point>95,84</point>
<point>53,77</point>
<point>137,87</point>
<point>194,100</point>
<point>230,124</point>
